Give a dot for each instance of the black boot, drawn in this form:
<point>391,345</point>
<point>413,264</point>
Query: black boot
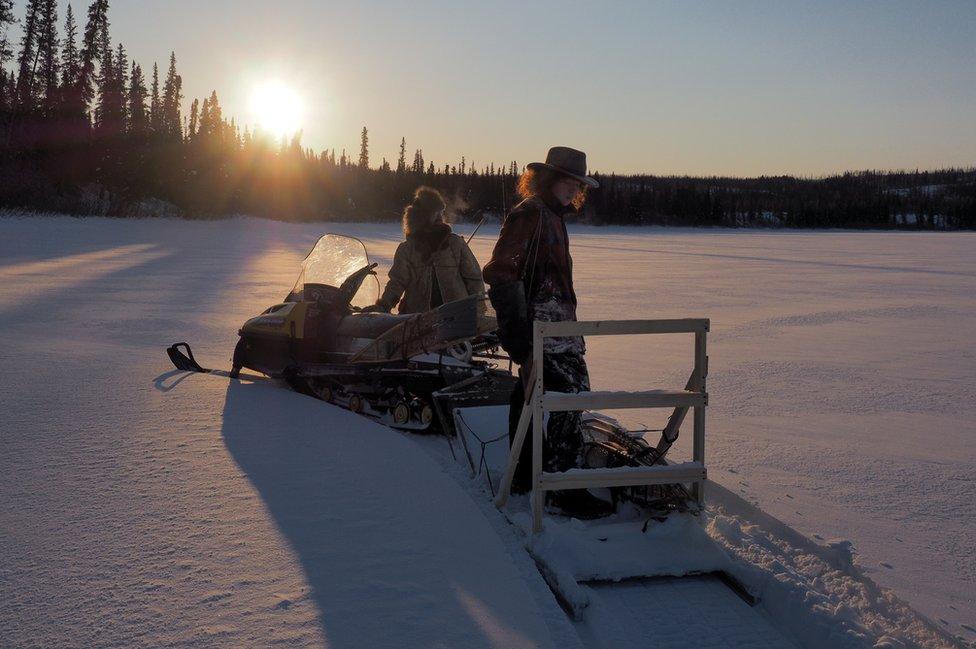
<point>580,503</point>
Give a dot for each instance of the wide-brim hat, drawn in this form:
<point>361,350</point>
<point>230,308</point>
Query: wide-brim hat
<point>568,162</point>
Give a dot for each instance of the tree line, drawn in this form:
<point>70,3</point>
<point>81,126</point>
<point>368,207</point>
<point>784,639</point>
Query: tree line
<point>85,130</point>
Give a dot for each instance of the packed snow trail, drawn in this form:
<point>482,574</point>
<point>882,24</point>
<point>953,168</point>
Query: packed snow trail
<point>841,384</point>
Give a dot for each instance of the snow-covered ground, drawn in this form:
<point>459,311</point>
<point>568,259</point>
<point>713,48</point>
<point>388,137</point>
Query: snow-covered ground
<point>142,507</point>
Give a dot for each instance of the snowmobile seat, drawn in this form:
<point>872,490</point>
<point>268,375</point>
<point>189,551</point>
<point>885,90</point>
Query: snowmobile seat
<point>370,325</point>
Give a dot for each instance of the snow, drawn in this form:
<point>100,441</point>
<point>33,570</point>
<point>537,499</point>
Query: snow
<point>698,612</point>
<point>815,592</point>
<point>613,550</point>
<point>841,386</point>
<point>143,507</point>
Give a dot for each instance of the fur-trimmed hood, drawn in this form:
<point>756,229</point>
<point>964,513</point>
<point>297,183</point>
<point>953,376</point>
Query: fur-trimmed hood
<point>425,210</point>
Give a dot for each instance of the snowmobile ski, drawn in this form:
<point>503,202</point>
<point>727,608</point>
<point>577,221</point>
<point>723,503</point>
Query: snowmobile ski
<point>184,361</point>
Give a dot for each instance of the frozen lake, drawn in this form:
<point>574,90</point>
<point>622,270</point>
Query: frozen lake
<point>842,382</point>
<point>842,365</point>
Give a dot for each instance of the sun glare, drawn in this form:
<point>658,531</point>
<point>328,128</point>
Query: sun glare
<point>276,109</point>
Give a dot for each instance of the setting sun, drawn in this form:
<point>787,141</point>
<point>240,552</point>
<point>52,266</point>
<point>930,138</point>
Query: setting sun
<point>276,109</point>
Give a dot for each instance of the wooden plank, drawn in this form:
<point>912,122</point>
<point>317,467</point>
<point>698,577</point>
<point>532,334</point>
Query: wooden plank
<point>624,327</point>
<point>624,476</point>
<point>538,410</point>
<point>698,446</point>
<point>515,451</point>
<point>671,430</point>
<point>557,401</point>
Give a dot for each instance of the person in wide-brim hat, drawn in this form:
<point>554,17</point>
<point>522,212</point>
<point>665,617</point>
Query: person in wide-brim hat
<point>531,278</point>
<point>564,161</point>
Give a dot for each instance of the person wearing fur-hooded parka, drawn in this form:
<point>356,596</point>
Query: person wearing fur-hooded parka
<point>434,265</point>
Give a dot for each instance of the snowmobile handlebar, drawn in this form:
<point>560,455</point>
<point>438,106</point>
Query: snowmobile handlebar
<point>350,286</point>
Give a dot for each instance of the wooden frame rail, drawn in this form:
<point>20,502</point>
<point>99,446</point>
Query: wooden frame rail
<point>538,402</point>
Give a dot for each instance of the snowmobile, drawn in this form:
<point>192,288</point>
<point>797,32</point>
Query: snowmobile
<point>404,370</point>
<point>409,371</point>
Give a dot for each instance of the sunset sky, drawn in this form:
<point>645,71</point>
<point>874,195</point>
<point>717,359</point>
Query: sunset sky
<point>740,88</point>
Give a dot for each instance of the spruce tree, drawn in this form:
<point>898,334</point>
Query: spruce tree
<point>194,119</point>
<point>364,150</point>
<point>73,104</point>
<point>205,123</point>
<point>11,89</point>
<point>27,59</point>
<point>94,43</point>
<point>172,123</point>
<point>138,117</point>
<point>122,84</point>
<point>109,108</point>
<point>216,117</point>
<point>155,105</point>
<point>6,20</point>
<point>402,160</point>
<point>47,56</point>
<point>70,65</point>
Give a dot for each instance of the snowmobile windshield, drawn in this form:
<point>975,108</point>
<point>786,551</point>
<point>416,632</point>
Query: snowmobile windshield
<point>334,258</point>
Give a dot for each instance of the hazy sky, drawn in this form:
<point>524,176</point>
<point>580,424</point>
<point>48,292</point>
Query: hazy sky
<point>663,87</point>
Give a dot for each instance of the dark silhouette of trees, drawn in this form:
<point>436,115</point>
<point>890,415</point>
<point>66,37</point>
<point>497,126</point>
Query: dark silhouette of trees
<point>81,132</point>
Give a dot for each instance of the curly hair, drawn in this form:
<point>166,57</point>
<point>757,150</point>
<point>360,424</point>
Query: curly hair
<point>426,208</point>
<point>535,182</point>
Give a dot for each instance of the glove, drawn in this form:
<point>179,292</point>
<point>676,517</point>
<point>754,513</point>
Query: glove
<point>512,313</point>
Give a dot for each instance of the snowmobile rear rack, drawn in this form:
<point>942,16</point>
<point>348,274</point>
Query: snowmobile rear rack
<point>539,401</point>
<point>184,362</point>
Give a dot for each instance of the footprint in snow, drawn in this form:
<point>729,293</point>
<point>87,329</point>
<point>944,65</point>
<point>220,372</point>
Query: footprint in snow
<point>789,496</point>
<point>887,565</point>
<point>971,629</point>
<point>818,537</point>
